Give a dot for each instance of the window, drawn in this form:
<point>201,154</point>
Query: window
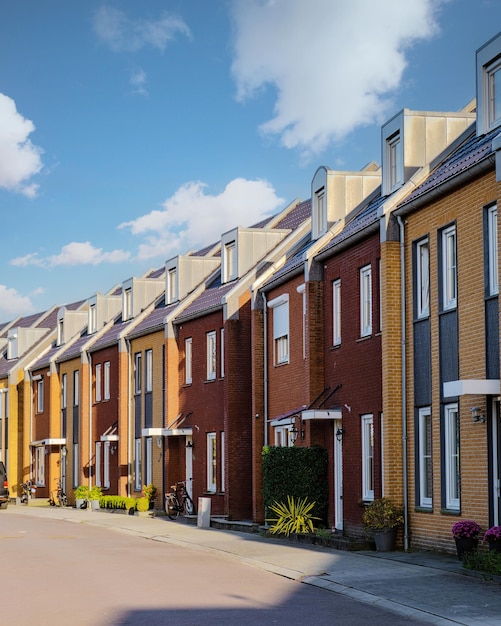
<point>138,481</point>
<point>336,313</point>
<point>395,161</point>
<point>98,464</point>
<point>98,382</point>
<point>149,371</point>
<point>76,466</point>
<point>148,469</point>
<point>280,308</point>
<point>137,373</point>
<point>319,213</point>
<point>64,391</point>
<point>493,85</point>
<point>449,269</point>
<point>211,355</point>
<point>106,465</point>
<point>107,380</point>
<point>92,319</point>
<point>12,346</point>
<point>188,361</point>
<point>367,458</point>
<point>365,301</point>
<point>127,304</point>
<point>211,462</point>
<point>451,450</point>
<point>422,279</point>
<point>76,388</point>
<point>172,285</point>
<point>301,289</point>
<point>425,474</point>
<point>230,261</point>
<point>221,351</point>
<point>222,462</point>
<point>492,228</point>
<point>60,332</point>
<point>40,396</point>
<point>40,466</point>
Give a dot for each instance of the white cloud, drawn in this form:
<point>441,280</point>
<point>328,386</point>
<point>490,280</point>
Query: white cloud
<point>13,304</point>
<point>123,34</point>
<point>19,158</point>
<point>138,82</point>
<point>334,64</point>
<point>71,254</point>
<point>192,219</point>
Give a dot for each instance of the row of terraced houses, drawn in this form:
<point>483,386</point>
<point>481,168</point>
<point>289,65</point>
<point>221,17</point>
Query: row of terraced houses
<point>364,320</point>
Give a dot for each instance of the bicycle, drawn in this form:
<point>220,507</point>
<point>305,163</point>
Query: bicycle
<point>179,501</point>
<point>28,490</point>
<point>62,499</point>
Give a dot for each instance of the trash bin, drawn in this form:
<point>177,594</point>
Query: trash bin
<point>203,519</point>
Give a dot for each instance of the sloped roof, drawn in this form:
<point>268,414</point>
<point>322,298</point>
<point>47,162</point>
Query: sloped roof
<point>154,320</point>
<point>209,300</point>
<point>296,217</point>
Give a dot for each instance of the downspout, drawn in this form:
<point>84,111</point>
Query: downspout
<point>90,419</point>
<point>130,435</point>
<point>265,369</point>
<point>404,384</point>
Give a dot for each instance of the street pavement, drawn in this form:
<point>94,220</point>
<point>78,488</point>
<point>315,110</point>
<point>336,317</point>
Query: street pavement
<point>423,587</point>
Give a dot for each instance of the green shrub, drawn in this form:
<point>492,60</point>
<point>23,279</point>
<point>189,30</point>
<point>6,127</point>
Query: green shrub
<point>293,517</point>
<point>142,504</point>
<point>297,473</point>
<point>488,562</point>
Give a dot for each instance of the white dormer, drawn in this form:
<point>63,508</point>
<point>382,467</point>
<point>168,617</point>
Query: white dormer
<point>488,62</point>
<point>69,323</point>
<point>20,340</point>
<point>138,293</point>
<point>102,308</point>
<point>242,248</point>
<point>412,139</point>
<point>184,273</point>
<point>335,194</point>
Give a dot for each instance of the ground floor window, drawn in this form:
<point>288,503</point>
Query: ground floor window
<point>76,466</point>
<point>222,461</point>
<point>137,466</point>
<point>211,462</point>
<point>424,458</point>
<point>451,457</point>
<point>148,462</point>
<point>40,466</point>
<point>367,457</point>
<point>106,465</point>
<point>98,464</point>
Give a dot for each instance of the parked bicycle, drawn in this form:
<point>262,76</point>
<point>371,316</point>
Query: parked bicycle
<point>28,490</point>
<point>178,501</point>
<point>60,497</point>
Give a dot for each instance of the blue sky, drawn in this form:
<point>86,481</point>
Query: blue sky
<point>133,131</point>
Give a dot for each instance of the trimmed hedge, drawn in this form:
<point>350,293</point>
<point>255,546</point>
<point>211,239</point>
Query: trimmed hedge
<point>117,502</point>
<point>296,472</point>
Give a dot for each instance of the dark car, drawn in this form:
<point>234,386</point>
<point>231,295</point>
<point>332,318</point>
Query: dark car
<point>4,487</point>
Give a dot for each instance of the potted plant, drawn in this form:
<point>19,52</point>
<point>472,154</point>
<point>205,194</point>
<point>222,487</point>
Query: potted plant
<point>150,492</point>
<point>382,518</point>
<point>293,518</point>
<point>465,533</point>
<point>493,538</point>
<point>87,497</point>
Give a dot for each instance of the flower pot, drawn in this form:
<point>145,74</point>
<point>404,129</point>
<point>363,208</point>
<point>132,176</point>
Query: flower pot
<point>385,539</point>
<point>495,545</point>
<point>464,545</point>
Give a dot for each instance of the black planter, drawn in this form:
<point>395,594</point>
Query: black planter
<point>385,539</point>
<point>495,545</point>
<point>465,545</point>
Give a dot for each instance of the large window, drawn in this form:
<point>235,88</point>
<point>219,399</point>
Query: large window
<point>367,457</point>
<point>422,278</point>
<point>211,355</point>
<point>211,462</point>
<point>492,229</point>
<point>98,465</point>
<point>127,304</point>
<point>451,454</point>
<point>188,361</point>
<point>336,313</point>
<point>319,213</point>
<point>365,301</point>
<point>92,319</point>
<point>221,351</point>
<point>280,307</point>
<point>106,465</point>
<point>76,388</point>
<point>449,268</point>
<point>493,74</point>
<point>425,461</point>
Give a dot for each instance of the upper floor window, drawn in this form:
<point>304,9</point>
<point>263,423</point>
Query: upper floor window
<point>137,372</point>
<point>40,396</point>
<point>127,304</point>
<point>188,361</point>
<point>230,261</point>
<point>492,233</point>
<point>488,64</point>
<point>336,312</point>
<point>98,382</point>
<point>449,268</point>
<point>211,355</point>
<point>365,301</point>
<point>106,380</point>
<point>92,319</point>
<point>422,278</point>
<point>60,332</point>
<point>280,307</point>
<point>395,161</point>
<point>221,350</point>
<point>172,285</point>
<point>64,391</point>
<point>76,388</point>
<point>12,346</point>
<point>320,213</point>
<point>149,370</point>
<point>493,87</point>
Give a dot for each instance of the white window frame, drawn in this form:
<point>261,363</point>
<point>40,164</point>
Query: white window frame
<point>106,465</point>
<point>423,278</point>
<point>76,387</point>
<point>425,457</point>
<point>60,331</point>
<point>106,390</point>
<point>148,469</point>
<point>281,329</point>
<point>98,465</point>
<point>40,466</point>
<point>76,465</point>
<point>320,212</point>
<point>221,350</point>
<point>98,395</point>
<point>230,261</point>
<point>92,319</point>
<point>149,371</point>
<point>188,361</point>
<point>336,312</point>
<point>492,227</point>
<point>366,301</point>
<point>138,485</point>
<point>493,93</point>
<point>301,289</point>
<point>395,161</point>
<point>451,452</point>
<point>40,396</point>
<point>211,462</point>
<point>172,285</point>
<point>64,391</point>
<point>449,268</point>
<point>223,457</point>
<point>367,457</point>
<point>138,374</point>
<point>283,436</point>
<point>211,355</point>
<point>127,304</point>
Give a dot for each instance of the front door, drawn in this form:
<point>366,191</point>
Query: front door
<point>496,464</point>
<point>338,477</point>
<point>189,465</point>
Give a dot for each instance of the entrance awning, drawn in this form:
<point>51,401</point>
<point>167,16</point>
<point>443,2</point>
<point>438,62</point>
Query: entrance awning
<point>327,414</point>
<point>49,442</point>
<point>176,432</point>
<point>152,432</point>
<point>482,387</point>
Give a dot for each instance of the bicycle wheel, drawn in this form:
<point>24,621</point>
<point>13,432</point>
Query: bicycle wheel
<point>189,506</point>
<point>64,500</point>
<point>172,506</point>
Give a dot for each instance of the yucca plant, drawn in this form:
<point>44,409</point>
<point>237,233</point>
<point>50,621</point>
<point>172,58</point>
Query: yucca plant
<point>293,517</point>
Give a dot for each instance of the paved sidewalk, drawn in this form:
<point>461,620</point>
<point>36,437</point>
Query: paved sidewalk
<point>428,588</point>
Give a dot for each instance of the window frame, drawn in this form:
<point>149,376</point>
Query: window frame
<point>92,321</point>
<point>211,462</point>
<point>452,493</point>
<point>366,300</point>
<point>148,375</point>
<point>188,361</point>
<point>138,374</point>
<point>492,250</point>
<point>211,355</point>
<point>76,388</point>
<point>493,95</point>
<point>368,473</point>
<point>98,465</point>
<point>449,267</point>
<point>394,148</point>
<point>336,312</point>
<point>281,329</point>
<point>40,466</point>
<point>106,381</point>
<point>221,351</point>
<point>230,261</point>
<point>106,465</point>
<point>64,391</point>
<point>138,485</point>
<point>425,457</point>
<point>172,287</point>
<point>40,396</point>
<point>98,382</point>
<point>422,265</point>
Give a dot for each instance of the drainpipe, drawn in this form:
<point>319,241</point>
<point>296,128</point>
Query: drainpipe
<point>265,369</point>
<point>90,419</point>
<point>404,384</point>
<point>131,441</point>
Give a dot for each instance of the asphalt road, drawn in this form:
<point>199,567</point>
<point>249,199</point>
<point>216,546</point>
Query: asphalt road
<point>58,573</point>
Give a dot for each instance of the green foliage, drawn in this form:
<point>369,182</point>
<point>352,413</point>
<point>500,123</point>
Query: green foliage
<point>83,492</point>
<point>382,513</point>
<point>293,517</point>
<point>488,562</point>
<point>150,492</point>
<point>117,502</point>
<point>96,493</point>
<point>296,472</point>
<point>142,504</point>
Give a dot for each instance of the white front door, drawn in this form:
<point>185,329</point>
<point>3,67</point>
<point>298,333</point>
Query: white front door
<point>189,465</point>
<point>496,463</point>
<point>338,477</point>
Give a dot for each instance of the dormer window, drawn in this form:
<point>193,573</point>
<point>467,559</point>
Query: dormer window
<point>395,161</point>
<point>127,304</point>
<point>172,285</point>
<point>12,347</point>
<point>60,332</point>
<point>493,85</point>
<point>230,261</point>
<point>92,319</point>
<point>489,86</point>
<point>320,212</point>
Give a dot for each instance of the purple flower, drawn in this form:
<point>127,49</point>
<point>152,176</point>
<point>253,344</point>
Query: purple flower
<point>466,528</point>
<point>493,534</point>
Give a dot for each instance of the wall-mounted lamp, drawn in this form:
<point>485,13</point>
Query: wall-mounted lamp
<point>159,442</point>
<point>476,414</point>
<point>64,451</point>
<point>113,449</point>
<point>189,444</point>
<point>296,432</point>
<point>340,434</point>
